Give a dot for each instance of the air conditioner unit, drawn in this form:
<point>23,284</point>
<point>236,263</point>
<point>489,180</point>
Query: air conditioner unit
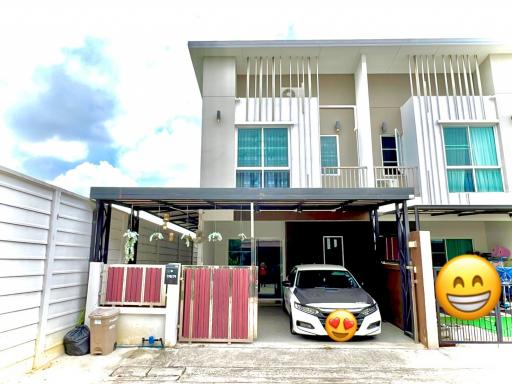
<point>387,183</point>
<point>292,91</point>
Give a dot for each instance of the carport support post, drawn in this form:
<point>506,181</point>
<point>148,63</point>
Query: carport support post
<point>253,244</point>
<point>402,222</point>
<point>101,232</point>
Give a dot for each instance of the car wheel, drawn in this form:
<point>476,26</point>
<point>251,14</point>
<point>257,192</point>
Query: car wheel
<point>283,306</point>
<point>291,326</point>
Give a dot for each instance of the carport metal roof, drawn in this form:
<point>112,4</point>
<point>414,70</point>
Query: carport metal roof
<point>461,210</point>
<point>182,203</point>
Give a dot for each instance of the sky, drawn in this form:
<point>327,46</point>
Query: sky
<point>103,93</point>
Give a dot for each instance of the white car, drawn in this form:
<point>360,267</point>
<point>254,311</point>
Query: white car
<point>313,291</point>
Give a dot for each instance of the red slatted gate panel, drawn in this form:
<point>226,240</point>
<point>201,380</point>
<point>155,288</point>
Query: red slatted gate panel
<point>115,284</point>
<point>220,303</point>
<point>240,304</point>
<point>133,287</point>
<point>206,311</point>
<point>140,285</point>
<point>153,285</point>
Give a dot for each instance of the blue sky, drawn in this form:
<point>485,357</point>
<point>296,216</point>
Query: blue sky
<point>103,93</point>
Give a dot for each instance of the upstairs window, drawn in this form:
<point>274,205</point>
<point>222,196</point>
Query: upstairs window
<point>389,151</point>
<point>471,159</point>
<point>329,154</point>
<point>263,158</point>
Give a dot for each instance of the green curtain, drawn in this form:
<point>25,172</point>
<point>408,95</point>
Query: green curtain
<point>483,146</point>
<point>457,247</point>
<point>460,180</point>
<point>456,146</point>
<point>276,147</point>
<point>489,180</point>
<point>328,153</point>
<point>277,179</point>
<point>248,179</point>
<point>249,147</point>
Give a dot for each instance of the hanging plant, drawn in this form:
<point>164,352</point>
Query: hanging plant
<point>129,246</point>
<point>215,236</point>
<point>189,240</point>
<point>156,236</point>
<point>242,236</point>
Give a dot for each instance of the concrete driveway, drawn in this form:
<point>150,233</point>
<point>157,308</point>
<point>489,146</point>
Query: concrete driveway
<point>242,364</point>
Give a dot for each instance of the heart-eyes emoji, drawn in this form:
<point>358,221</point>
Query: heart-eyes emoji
<point>341,325</point>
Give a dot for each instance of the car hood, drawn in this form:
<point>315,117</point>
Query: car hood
<point>333,295</point>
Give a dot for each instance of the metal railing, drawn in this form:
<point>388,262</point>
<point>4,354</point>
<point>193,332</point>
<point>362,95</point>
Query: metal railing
<point>344,177</point>
<point>494,328</point>
<point>396,177</point>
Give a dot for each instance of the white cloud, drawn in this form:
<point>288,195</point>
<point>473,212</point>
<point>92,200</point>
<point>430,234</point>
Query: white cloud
<point>7,145</point>
<point>69,151</point>
<point>170,156</point>
<point>86,175</point>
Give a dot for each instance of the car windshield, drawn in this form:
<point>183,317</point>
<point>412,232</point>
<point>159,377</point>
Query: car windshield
<point>326,279</point>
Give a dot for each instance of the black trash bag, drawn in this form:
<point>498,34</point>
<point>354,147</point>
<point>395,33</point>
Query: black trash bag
<point>77,341</point>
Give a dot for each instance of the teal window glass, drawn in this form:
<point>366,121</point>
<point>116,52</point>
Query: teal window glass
<point>457,247</point>
<point>456,146</point>
<point>489,180</point>
<point>483,146</point>
<point>329,154</point>
<point>248,179</point>
<point>472,159</point>
<point>460,180</point>
<point>276,147</point>
<point>277,179</point>
<point>249,147</point>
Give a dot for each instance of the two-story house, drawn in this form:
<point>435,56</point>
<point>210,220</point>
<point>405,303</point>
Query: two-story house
<point>433,115</point>
<point>310,150</point>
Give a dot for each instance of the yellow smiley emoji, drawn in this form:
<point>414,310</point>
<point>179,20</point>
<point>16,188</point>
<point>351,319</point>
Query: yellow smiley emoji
<point>341,325</point>
<point>468,287</point>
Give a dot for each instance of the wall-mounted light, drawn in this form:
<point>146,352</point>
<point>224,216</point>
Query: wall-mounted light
<point>218,116</point>
<point>337,125</point>
<point>384,127</point>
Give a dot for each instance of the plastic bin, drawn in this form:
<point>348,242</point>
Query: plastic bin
<point>103,330</point>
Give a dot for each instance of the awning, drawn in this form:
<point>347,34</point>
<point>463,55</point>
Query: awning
<point>182,204</point>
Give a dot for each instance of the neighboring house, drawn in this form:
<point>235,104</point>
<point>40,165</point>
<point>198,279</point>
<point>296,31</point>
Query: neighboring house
<point>433,115</point>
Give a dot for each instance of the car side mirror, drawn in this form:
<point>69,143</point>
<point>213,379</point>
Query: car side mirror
<point>286,283</point>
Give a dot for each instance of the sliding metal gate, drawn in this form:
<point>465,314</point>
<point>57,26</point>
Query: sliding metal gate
<point>219,304</point>
<point>494,328</point>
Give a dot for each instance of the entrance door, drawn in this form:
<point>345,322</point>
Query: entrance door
<point>268,256</point>
<point>333,250</point>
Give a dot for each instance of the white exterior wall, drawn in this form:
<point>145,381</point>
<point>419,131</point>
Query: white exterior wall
<point>364,130</point>
<point>431,154</point>
<point>45,236</point>
<point>304,165</point>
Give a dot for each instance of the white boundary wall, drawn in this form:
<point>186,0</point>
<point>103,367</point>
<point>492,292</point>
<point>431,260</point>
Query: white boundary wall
<point>45,236</point>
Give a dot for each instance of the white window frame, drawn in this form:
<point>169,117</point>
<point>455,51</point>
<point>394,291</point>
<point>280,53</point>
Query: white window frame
<point>382,150</point>
<point>337,155</point>
<point>262,168</point>
<point>472,167</point>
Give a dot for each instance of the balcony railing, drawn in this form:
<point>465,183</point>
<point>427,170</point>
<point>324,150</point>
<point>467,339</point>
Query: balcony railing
<point>396,177</point>
<point>344,177</point>
<point>357,177</point>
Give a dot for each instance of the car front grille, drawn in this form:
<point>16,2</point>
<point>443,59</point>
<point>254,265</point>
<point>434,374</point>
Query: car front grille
<point>322,316</point>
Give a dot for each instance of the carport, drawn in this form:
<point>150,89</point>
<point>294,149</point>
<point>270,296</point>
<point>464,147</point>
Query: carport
<point>186,206</point>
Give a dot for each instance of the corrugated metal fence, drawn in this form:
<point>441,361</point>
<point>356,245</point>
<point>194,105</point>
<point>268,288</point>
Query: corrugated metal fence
<point>45,235</point>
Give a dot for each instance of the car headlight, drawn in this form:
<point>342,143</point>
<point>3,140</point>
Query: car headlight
<point>306,309</point>
<point>369,310</point>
